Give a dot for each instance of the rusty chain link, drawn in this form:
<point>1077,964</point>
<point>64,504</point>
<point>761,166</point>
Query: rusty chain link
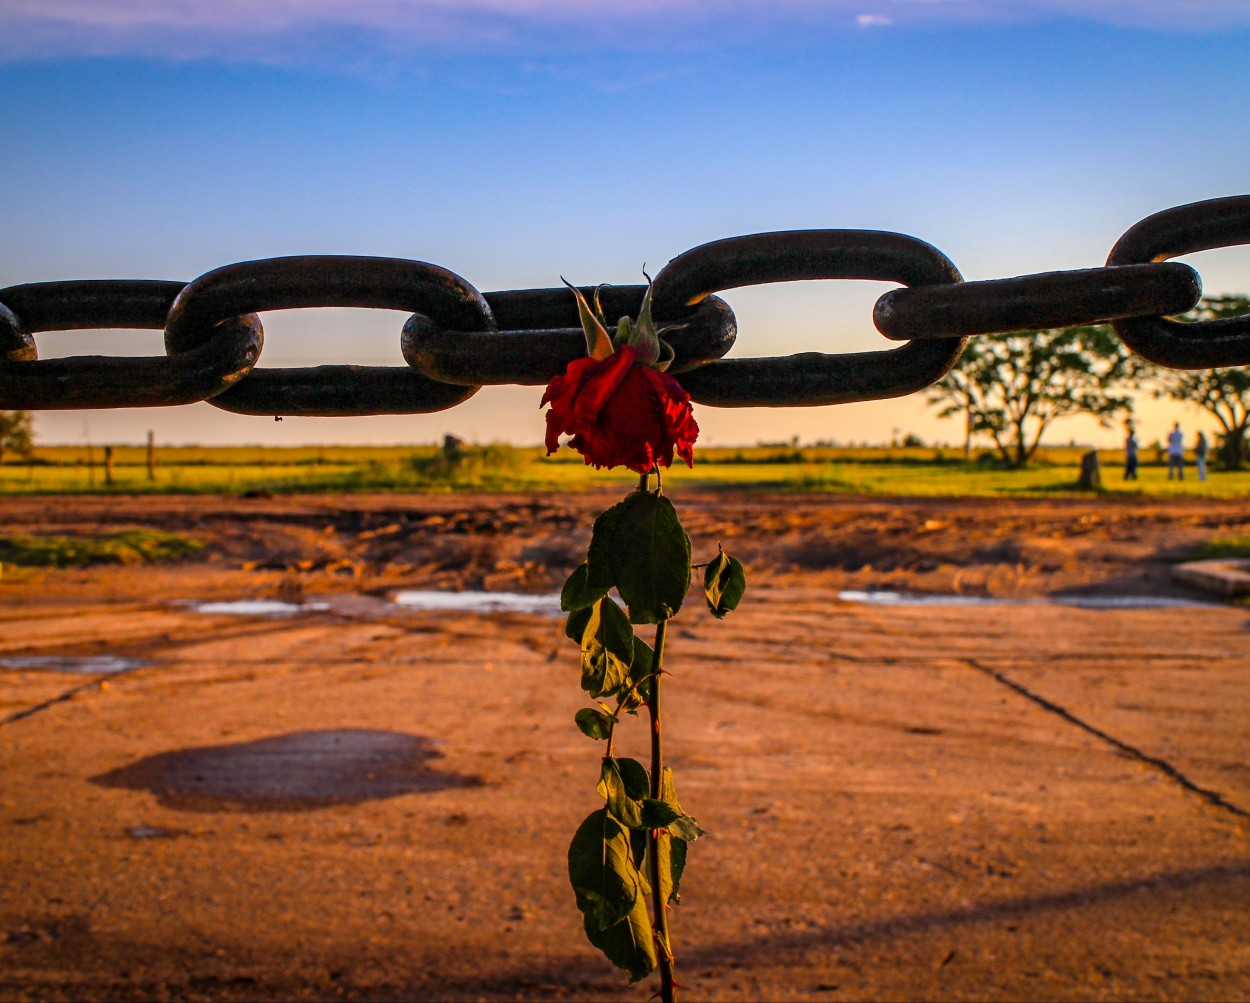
<point>85,381</point>
<point>1201,226</point>
<point>329,281</point>
<point>458,339</point>
<point>539,333</point>
<point>810,377</point>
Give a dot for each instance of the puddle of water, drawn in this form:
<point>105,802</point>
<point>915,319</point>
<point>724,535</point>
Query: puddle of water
<point>258,607</point>
<point>151,832</point>
<point>1127,602</point>
<point>83,665</point>
<point>479,602</point>
<point>418,599</point>
<point>884,597</point>
<point>549,604</point>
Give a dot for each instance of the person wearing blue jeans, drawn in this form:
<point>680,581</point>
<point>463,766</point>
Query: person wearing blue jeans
<point>1176,453</point>
<point>1130,455</point>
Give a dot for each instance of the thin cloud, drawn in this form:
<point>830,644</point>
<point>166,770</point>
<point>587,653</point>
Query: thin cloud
<point>279,30</point>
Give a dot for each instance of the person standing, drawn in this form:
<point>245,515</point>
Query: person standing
<point>1130,455</point>
<point>1176,453</point>
<point>1200,456</point>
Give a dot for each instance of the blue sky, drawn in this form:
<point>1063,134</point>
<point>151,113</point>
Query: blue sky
<point>514,142</point>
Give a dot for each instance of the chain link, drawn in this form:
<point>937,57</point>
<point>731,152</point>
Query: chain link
<point>809,378</point>
<point>539,334</point>
<point>329,281</point>
<point>1037,302</point>
<point>457,339</point>
<point>179,377</point>
<point>1201,226</point>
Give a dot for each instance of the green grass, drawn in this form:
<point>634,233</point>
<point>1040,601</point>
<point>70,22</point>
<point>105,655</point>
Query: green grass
<point>869,470</point>
<point>1222,547</point>
<point>133,546</point>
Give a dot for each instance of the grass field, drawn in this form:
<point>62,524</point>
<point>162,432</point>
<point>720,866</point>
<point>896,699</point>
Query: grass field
<point>875,471</point>
<point>132,546</point>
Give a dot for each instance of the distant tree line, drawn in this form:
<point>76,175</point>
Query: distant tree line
<point>16,434</point>
<point>1012,387</point>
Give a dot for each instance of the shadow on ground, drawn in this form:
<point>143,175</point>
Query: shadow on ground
<point>299,771</point>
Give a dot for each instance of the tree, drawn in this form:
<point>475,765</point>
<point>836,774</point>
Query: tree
<point>1224,393</point>
<point>1013,386</point>
<point>16,433</point>
<point>959,393</point>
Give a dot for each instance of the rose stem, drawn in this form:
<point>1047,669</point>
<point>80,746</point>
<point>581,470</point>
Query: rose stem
<point>659,906</point>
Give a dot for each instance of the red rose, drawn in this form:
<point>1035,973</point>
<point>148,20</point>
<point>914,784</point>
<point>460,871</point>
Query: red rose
<point>621,413</point>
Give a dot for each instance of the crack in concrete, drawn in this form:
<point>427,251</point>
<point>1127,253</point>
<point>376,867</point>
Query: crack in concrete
<point>1213,798</point>
<point>96,683</point>
<point>62,698</point>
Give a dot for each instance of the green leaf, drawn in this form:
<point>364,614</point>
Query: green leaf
<point>685,827</point>
<point>623,782</point>
<point>639,671</point>
<point>637,779</point>
<point>672,857</point>
<point>671,849</point>
<point>602,871</point>
<point>638,845</point>
<point>650,557</point>
<point>638,839</point>
<point>574,587</point>
<point>575,625</point>
<point>724,584</point>
<point>658,814</point>
<point>628,944</point>
<point>607,649</point>
<point>578,593</point>
<point>600,577</point>
<point>668,792</point>
<point>594,723</point>
<point>611,785</point>
<point>611,894</point>
<point>593,578</point>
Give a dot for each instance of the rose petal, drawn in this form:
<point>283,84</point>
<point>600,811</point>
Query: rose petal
<point>620,413</point>
<point>598,387</point>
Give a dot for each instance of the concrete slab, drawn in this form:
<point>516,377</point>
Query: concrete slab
<point>1223,576</point>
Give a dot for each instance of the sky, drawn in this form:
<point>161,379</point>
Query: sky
<point>516,141</point>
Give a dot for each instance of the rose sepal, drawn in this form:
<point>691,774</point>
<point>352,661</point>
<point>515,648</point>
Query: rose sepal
<point>598,344</point>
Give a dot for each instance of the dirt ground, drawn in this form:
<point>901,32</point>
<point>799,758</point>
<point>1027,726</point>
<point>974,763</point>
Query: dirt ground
<point>1022,800</point>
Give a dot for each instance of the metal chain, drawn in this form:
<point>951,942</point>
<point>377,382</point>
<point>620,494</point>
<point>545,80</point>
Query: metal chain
<point>458,339</point>
<point>810,377</point>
